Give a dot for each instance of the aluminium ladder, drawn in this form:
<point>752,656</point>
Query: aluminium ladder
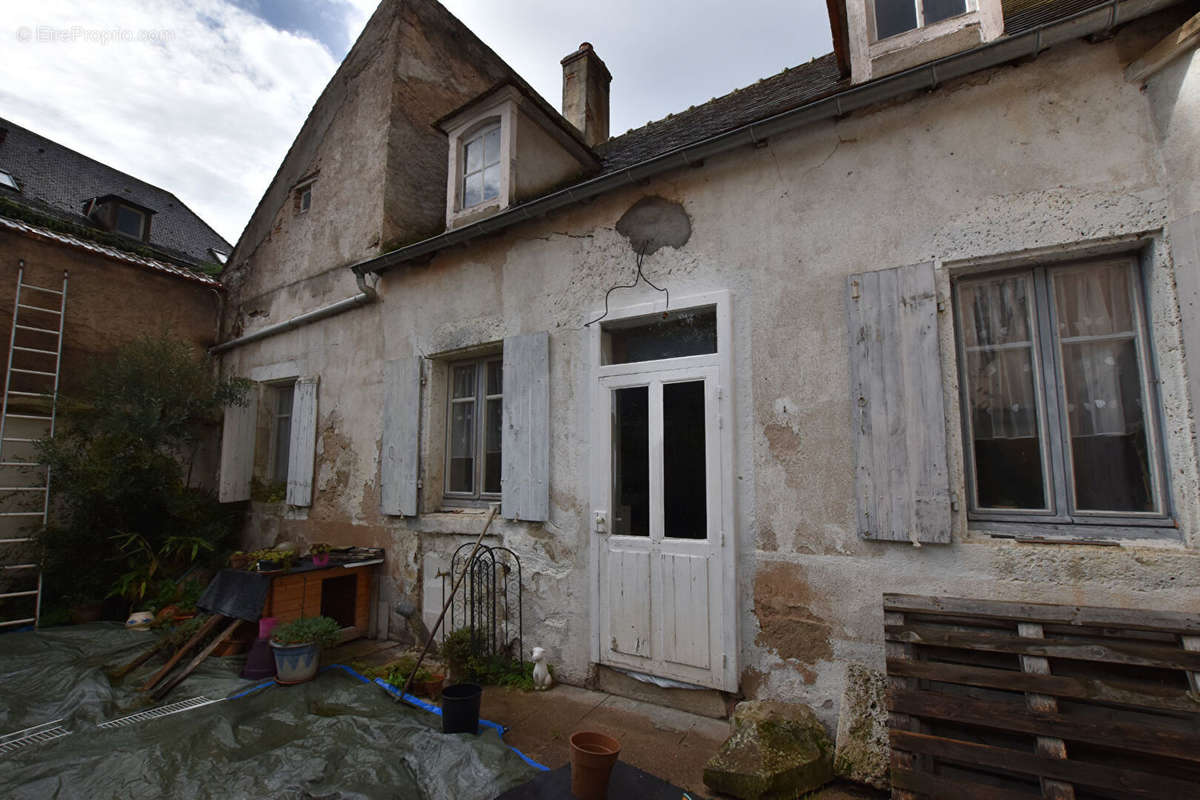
<point>27,415</point>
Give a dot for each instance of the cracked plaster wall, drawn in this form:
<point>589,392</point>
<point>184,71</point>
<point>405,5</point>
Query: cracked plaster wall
<point>1041,156</point>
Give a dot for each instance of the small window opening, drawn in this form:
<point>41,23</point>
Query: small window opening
<point>481,167</point>
<point>893,17</point>
<point>7,180</point>
<point>673,334</point>
<point>130,222</point>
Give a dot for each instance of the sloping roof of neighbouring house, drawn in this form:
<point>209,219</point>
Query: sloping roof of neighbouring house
<point>57,181</point>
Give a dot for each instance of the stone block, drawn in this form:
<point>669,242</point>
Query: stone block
<point>863,753</point>
<point>777,750</point>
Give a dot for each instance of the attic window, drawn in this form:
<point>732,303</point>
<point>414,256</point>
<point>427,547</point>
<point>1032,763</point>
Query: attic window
<point>304,197</point>
<point>220,256</point>
<point>130,222</point>
<point>7,180</point>
<point>481,167</point>
<point>893,17</point>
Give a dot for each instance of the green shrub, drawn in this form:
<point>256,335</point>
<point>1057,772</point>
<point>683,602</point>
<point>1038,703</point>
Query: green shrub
<point>124,504</point>
<point>321,631</point>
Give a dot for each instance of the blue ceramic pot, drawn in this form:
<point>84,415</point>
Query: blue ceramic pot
<point>296,663</point>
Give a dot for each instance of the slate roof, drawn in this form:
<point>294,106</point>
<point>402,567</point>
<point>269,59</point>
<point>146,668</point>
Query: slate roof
<point>56,180</point>
<point>786,90</point>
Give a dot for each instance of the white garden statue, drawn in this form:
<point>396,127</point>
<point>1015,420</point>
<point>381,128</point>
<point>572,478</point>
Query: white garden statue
<point>541,672</point>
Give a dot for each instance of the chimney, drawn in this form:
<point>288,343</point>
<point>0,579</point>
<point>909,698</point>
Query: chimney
<point>585,94</point>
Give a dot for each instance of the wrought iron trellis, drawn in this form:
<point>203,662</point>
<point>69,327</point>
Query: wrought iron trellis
<point>487,600</point>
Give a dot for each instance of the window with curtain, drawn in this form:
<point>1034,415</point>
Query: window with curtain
<point>473,429</point>
<point>1057,396</point>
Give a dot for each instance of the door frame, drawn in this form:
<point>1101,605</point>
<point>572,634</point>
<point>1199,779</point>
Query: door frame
<point>599,430</point>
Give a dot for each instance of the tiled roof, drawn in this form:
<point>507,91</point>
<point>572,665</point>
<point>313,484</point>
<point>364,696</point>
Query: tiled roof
<point>53,177</point>
<point>1023,15</point>
<point>787,90</point>
<point>773,95</point>
<point>109,252</point>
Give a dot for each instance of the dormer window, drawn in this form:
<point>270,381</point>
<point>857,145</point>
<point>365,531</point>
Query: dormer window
<point>487,139</point>
<point>130,222</point>
<point>8,181</point>
<point>889,36</point>
<point>114,213</point>
<point>897,16</point>
<point>481,167</point>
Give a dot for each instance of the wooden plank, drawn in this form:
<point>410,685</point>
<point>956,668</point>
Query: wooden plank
<point>362,601</point>
<point>525,436</point>
<point>1048,746</point>
<point>312,596</point>
<point>1149,696</point>
<point>400,445</point>
<point>1176,44</point>
<point>177,679</point>
<point>1192,645</point>
<point>1104,650</point>
<point>197,637</point>
<point>901,474</point>
<point>1092,616</point>
<point>902,653</point>
<point>938,788</point>
<point>1127,736</point>
<point>1130,782</point>
<point>237,449</point>
<point>302,451</point>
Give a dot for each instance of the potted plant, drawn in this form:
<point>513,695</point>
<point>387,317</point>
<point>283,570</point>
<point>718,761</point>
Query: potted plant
<point>297,646</point>
<point>320,554</point>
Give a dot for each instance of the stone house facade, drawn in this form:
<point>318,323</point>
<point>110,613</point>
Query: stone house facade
<point>915,316</point>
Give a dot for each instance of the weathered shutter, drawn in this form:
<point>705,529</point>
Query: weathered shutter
<point>400,447</point>
<point>899,421</point>
<point>525,439</point>
<point>302,450</point>
<point>237,449</point>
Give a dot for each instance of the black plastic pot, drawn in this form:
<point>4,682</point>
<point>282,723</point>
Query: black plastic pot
<point>460,708</point>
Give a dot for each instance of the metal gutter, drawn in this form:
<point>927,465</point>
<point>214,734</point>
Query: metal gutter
<point>365,295</point>
<point>1028,44</point>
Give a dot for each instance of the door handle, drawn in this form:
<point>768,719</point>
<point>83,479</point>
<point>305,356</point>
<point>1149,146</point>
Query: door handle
<point>600,522</point>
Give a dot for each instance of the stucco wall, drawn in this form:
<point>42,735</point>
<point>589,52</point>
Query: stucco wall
<point>1038,157</point>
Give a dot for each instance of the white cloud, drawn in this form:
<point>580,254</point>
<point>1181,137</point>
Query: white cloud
<point>202,99</point>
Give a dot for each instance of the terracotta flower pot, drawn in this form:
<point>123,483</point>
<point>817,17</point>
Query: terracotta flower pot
<point>432,687</point>
<point>592,758</point>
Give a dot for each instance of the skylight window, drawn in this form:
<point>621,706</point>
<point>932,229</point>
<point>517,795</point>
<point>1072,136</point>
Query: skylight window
<point>8,181</point>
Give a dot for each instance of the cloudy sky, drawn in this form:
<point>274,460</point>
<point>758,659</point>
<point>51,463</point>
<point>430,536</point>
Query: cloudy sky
<point>203,97</point>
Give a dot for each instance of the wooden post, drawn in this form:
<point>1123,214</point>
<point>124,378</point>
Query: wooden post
<point>1049,746</point>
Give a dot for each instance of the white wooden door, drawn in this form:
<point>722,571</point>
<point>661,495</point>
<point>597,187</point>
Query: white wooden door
<point>657,521</point>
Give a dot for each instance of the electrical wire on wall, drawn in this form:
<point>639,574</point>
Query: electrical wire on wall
<point>641,276</point>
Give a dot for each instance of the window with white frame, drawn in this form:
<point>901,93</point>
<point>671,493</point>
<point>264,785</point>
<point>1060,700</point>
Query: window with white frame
<point>474,428</point>
<point>282,398</point>
<point>1058,398</point>
<point>892,17</point>
<point>481,167</point>
<point>130,222</point>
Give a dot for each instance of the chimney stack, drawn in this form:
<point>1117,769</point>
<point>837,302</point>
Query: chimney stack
<point>585,94</point>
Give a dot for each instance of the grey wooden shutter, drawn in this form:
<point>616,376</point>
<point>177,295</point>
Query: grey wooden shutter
<point>302,449</point>
<point>400,446</point>
<point>237,449</point>
<point>525,439</point>
<point>899,420</point>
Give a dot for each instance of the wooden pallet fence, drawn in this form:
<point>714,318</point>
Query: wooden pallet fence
<point>995,700</point>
